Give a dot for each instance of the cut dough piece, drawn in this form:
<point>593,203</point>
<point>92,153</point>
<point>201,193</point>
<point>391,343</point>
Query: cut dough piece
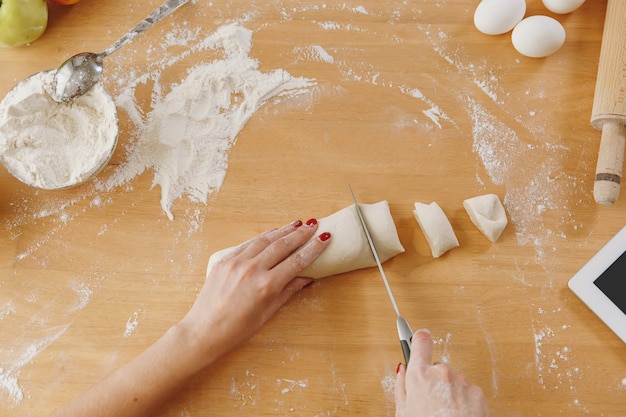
<point>487,214</point>
<point>348,249</point>
<point>436,227</point>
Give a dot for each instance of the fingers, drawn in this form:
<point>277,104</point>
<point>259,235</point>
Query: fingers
<point>432,387</point>
<point>284,251</point>
<point>479,397</point>
<point>421,360</point>
<point>400,386</point>
<point>303,256</point>
<point>275,246</point>
<point>460,380</point>
<point>281,248</point>
<point>422,354</point>
<point>258,244</point>
<point>421,348</point>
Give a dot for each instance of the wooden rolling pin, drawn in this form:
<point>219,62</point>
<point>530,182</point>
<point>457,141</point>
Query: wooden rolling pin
<point>609,104</point>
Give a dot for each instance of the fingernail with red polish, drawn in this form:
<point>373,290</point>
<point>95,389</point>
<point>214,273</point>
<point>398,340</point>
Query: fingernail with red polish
<point>311,222</point>
<point>297,223</point>
<point>324,236</point>
<point>398,368</point>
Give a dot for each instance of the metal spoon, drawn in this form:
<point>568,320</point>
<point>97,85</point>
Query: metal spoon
<point>79,73</point>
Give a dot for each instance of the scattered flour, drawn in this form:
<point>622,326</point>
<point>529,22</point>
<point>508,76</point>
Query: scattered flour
<point>187,135</point>
<point>445,355</point>
<point>133,323</point>
<point>434,113</point>
<point>292,385</point>
<point>84,293</point>
<point>7,309</point>
<point>491,347</point>
<point>553,365</point>
<point>504,156</point>
<point>313,53</point>
<point>243,390</point>
<point>388,383</point>
<point>20,355</point>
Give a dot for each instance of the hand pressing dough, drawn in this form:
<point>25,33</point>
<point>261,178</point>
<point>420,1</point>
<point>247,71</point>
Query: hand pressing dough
<point>436,227</point>
<point>487,214</point>
<point>348,249</point>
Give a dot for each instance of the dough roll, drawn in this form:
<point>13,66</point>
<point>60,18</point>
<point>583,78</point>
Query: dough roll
<point>348,249</point>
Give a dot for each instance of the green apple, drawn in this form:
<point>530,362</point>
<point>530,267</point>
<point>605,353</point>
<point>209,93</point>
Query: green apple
<point>22,21</point>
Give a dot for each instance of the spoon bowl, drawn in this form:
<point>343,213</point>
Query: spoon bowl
<point>81,72</point>
<point>77,75</point>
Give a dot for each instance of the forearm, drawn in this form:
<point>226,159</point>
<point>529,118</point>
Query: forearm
<point>140,386</point>
<point>240,295</point>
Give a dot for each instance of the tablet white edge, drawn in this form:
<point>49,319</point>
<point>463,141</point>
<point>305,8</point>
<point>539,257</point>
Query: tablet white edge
<point>582,284</point>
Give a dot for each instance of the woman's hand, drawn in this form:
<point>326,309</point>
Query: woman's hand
<point>240,294</point>
<point>246,287</point>
<point>424,389</point>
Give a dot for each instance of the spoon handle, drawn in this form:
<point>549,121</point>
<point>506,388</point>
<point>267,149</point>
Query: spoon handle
<point>168,7</point>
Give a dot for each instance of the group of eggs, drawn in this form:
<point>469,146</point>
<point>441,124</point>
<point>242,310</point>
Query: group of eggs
<point>534,36</point>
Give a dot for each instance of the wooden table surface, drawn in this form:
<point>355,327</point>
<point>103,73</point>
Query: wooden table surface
<point>410,103</point>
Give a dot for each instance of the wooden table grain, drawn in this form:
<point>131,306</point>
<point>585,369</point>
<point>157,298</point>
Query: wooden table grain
<point>410,104</point>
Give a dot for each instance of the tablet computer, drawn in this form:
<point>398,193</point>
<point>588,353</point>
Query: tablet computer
<point>601,283</point>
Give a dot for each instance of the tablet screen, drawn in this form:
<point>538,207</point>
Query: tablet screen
<point>611,282</point>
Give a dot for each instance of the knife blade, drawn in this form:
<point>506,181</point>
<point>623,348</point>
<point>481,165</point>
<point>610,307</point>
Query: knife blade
<point>405,334</point>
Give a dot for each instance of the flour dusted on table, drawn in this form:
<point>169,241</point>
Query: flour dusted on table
<point>54,145</point>
<point>186,136</point>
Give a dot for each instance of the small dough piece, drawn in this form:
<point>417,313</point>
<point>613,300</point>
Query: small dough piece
<point>487,214</point>
<point>348,249</point>
<point>436,227</point>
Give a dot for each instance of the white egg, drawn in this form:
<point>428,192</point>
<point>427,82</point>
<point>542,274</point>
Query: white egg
<point>538,36</point>
<point>562,6</point>
<point>495,17</point>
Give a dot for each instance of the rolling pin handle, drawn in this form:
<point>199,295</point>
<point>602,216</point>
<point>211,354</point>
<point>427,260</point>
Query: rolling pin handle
<point>610,162</point>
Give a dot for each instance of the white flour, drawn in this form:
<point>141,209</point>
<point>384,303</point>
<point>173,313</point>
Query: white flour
<point>12,361</point>
<point>132,323</point>
<point>54,145</point>
<point>188,133</point>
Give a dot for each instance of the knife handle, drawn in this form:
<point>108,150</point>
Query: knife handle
<point>406,350</point>
<point>405,334</point>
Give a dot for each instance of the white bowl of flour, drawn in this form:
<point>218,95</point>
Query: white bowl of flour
<point>52,145</point>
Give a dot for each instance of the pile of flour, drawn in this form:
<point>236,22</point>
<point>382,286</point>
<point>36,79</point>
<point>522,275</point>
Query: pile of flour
<point>54,145</point>
<point>186,137</point>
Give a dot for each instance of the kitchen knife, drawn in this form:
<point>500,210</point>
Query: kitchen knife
<point>404,330</point>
